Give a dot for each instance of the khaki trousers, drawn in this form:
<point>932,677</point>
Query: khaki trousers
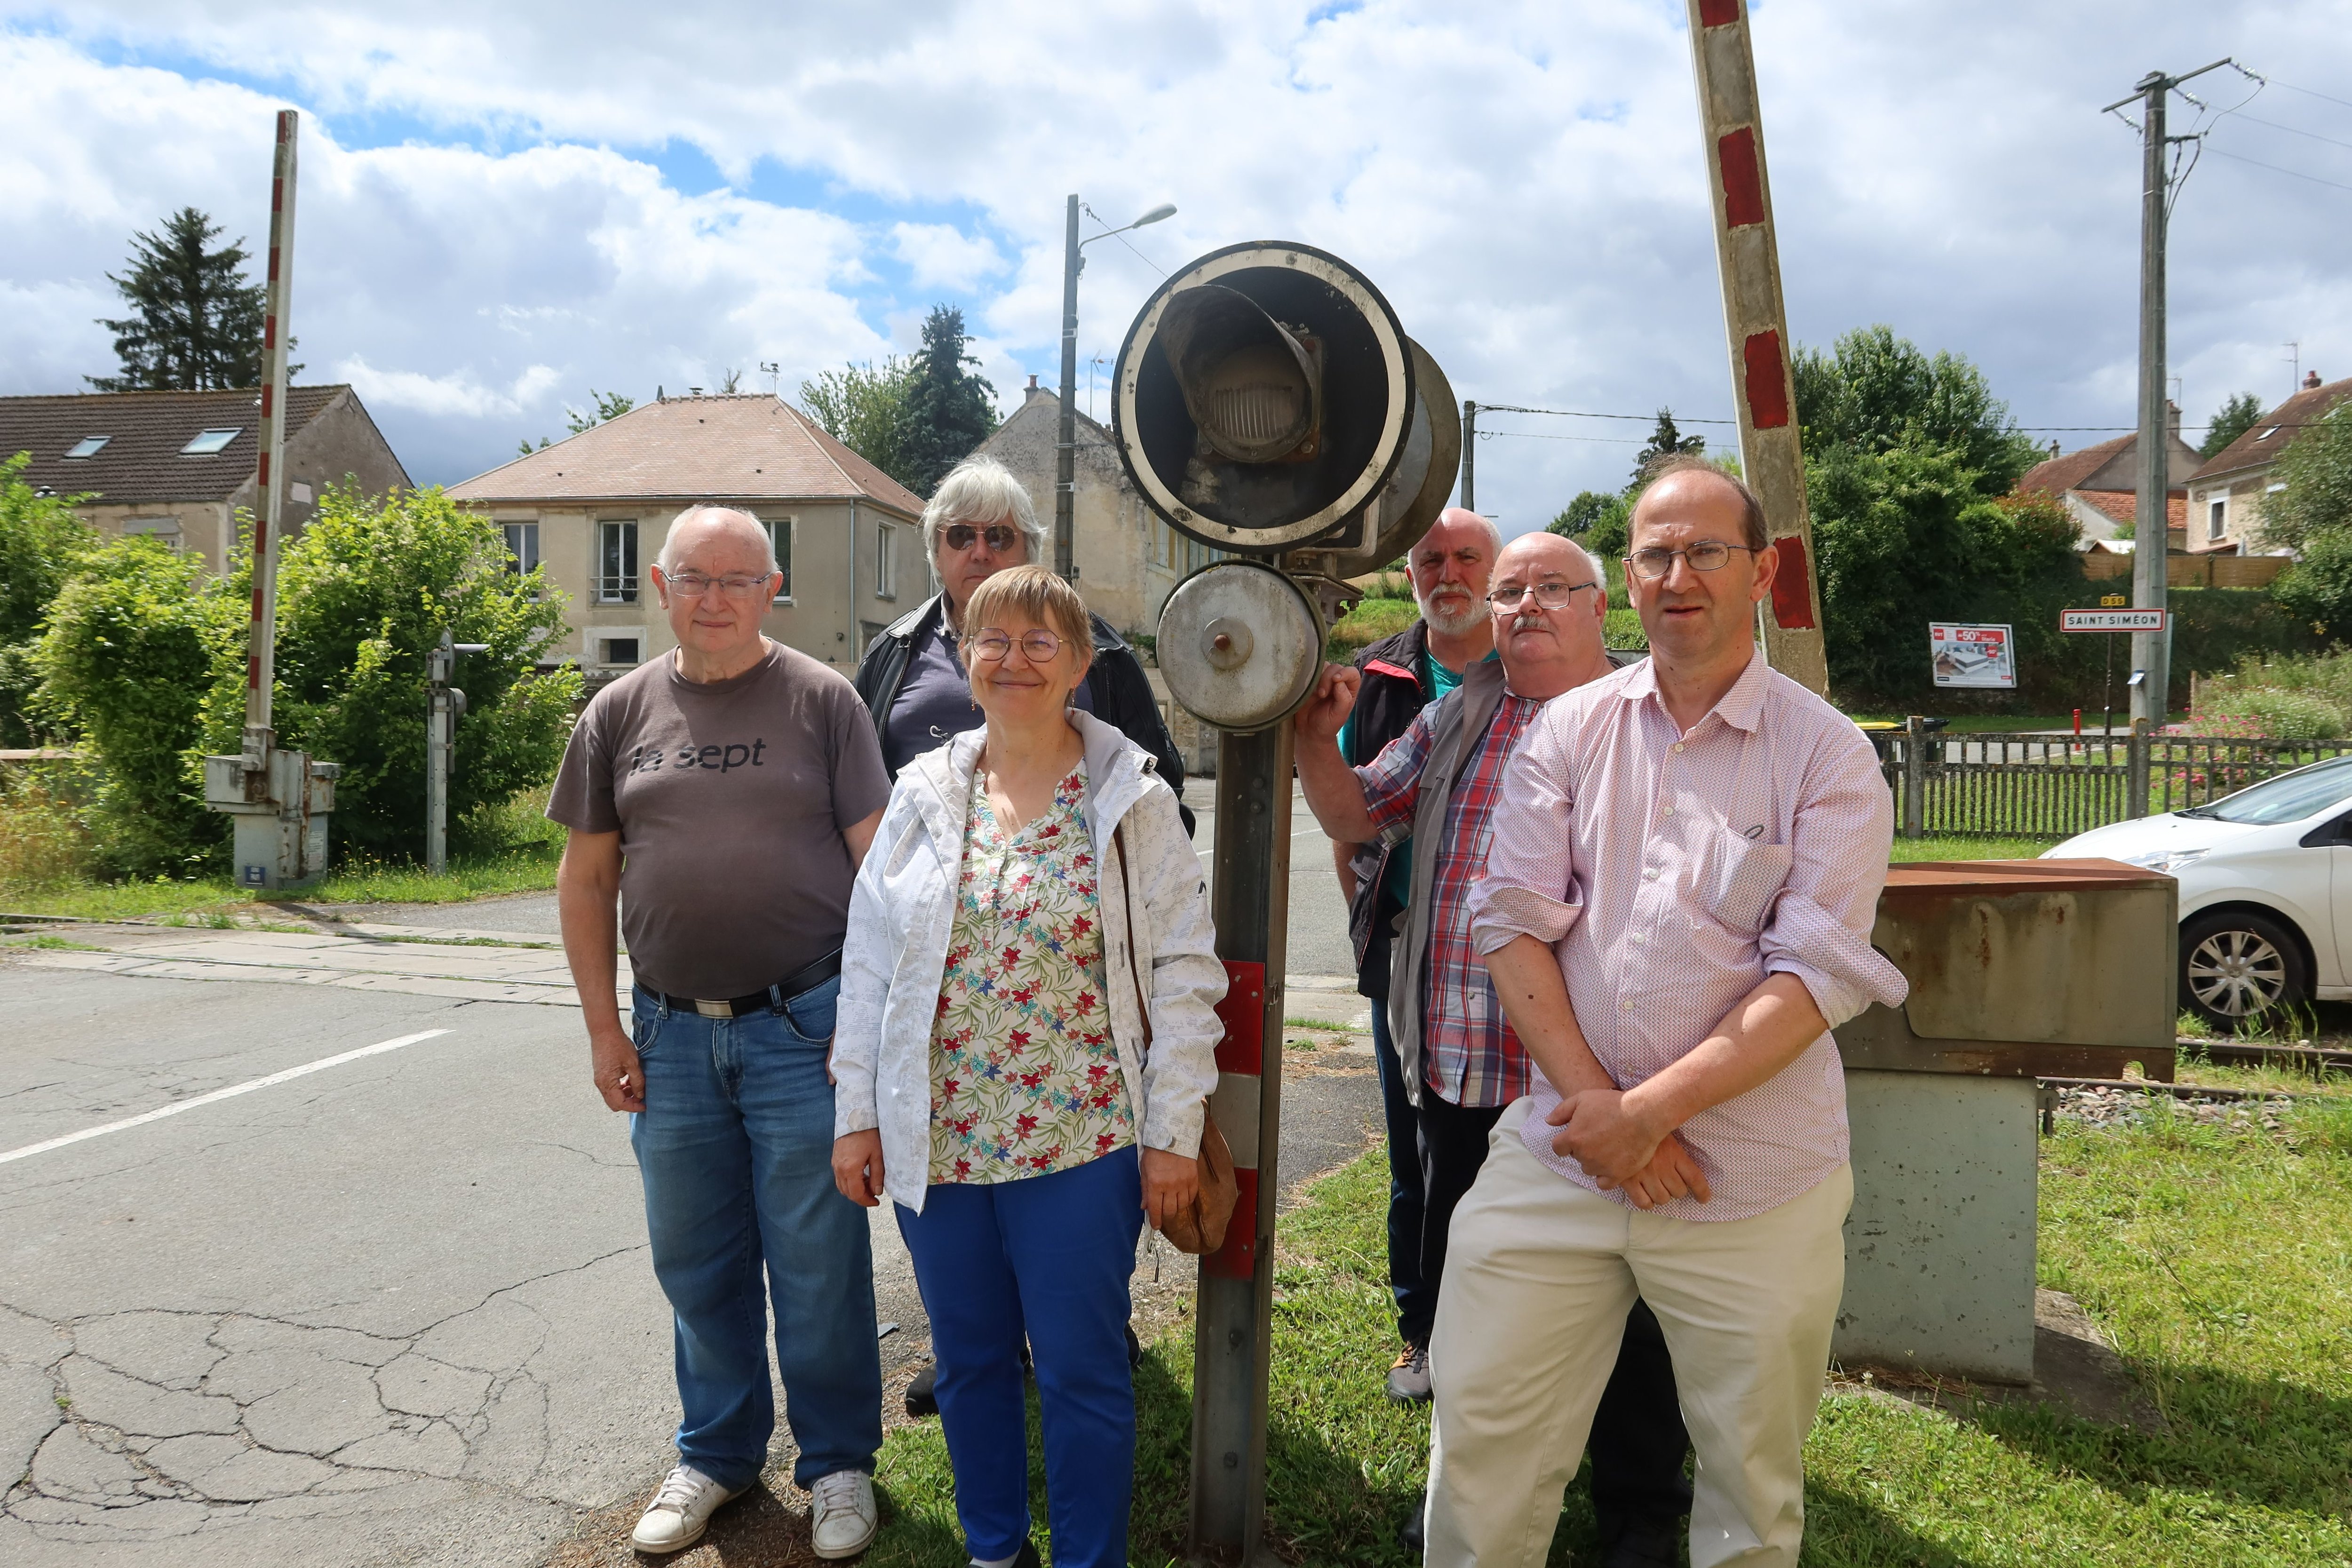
<point>1539,1277</point>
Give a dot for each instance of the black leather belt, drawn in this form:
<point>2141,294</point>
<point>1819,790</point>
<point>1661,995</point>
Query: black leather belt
<point>771,1000</point>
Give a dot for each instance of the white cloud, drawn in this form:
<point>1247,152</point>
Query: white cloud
<point>1523,179</point>
<point>937,255</point>
<point>455,395</point>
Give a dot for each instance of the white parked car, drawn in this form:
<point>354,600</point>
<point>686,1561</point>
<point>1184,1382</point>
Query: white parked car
<point>2265,889</point>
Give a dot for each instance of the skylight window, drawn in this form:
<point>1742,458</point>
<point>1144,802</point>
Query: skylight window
<point>89,446</point>
<point>2271,432</point>
<point>210,441</point>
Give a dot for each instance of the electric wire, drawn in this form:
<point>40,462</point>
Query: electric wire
<point>2293,130</point>
<point>1572,414</point>
<point>1121,234</point>
<point>2275,169</point>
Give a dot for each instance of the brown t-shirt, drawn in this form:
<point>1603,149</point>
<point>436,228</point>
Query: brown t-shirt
<point>730,798</point>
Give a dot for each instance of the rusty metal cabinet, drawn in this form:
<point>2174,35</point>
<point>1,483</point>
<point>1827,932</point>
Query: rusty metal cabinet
<point>2018,970</point>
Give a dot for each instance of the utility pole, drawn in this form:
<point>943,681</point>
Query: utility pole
<point>1065,449</point>
<point>1469,456</point>
<point>1756,318</point>
<point>2152,651</point>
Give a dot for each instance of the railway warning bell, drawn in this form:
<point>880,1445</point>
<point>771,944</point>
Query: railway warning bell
<point>1268,403</point>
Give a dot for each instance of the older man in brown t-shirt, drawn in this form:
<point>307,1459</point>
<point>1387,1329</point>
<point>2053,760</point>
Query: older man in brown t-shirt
<point>725,794</point>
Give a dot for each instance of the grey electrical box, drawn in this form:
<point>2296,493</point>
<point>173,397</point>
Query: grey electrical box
<point>278,815</point>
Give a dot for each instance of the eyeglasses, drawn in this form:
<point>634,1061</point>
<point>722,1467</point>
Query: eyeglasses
<point>735,584</point>
<point>1551,596</point>
<point>1039,647</point>
<point>1706,555</point>
<point>1000,537</point>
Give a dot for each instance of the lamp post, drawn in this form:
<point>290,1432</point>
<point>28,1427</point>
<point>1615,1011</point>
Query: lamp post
<point>1066,450</point>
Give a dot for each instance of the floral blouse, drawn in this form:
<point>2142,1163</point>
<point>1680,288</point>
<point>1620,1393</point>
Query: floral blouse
<point>1024,1075</point>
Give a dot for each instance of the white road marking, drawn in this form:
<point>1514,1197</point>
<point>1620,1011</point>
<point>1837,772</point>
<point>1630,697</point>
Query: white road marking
<point>236,1088</point>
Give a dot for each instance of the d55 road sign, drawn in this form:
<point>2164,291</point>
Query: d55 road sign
<point>2112,620</point>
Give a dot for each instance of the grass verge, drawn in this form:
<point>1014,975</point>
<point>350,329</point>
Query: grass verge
<point>2220,1262</point>
<point>526,870</point>
<point>1967,846</point>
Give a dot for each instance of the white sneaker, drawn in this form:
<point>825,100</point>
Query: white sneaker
<point>843,1518</point>
<point>681,1511</point>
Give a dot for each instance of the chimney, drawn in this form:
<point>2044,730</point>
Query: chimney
<point>2053,445</point>
<point>2172,418</point>
<point>2310,380</point>
<point>1033,389</point>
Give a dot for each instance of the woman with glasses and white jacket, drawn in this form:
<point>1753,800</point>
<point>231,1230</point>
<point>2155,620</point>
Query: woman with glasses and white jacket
<point>1030,893</point>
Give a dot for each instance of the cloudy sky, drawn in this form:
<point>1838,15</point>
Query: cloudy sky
<point>505,206</point>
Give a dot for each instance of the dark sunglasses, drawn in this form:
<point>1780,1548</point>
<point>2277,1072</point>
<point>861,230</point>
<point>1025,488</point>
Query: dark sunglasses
<point>1000,537</point>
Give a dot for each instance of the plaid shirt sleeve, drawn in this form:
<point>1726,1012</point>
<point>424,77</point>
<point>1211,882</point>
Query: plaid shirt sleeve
<point>1391,781</point>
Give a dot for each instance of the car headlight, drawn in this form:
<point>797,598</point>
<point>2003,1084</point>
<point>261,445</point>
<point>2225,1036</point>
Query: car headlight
<point>2168,861</point>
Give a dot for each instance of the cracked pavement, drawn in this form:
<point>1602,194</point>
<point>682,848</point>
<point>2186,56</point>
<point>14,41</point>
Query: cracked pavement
<point>394,1311</point>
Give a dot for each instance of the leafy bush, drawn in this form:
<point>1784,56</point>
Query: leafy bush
<point>363,593</point>
<point>132,646</point>
<point>2285,715</point>
<point>42,543</point>
<point>43,843</point>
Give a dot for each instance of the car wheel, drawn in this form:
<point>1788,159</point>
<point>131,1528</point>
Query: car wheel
<point>2238,965</point>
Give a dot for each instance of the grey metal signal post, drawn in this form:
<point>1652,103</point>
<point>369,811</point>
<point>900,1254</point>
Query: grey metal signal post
<point>1268,403</point>
<point>1232,1342</point>
<point>276,800</point>
<point>446,705</point>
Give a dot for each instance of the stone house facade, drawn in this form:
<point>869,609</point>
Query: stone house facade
<point>2225,495</point>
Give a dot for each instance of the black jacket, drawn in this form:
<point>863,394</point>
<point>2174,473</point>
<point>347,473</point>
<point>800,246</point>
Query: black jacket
<point>1386,705</point>
<point>1116,684</point>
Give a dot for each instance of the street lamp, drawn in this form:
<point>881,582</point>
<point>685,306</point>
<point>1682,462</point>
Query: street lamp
<point>1065,452</point>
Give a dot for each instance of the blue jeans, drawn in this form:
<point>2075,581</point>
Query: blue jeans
<point>1416,1296</point>
<point>1048,1256</point>
<point>735,1148</point>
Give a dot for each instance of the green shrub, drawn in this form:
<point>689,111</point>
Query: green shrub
<point>42,543</point>
<point>2286,715</point>
<point>43,843</point>
<point>363,593</point>
<point>132,646</point>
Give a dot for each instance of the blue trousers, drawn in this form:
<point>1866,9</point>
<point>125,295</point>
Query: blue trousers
<point>1048,1258</point>
<point>1416,1296</point>
<point>735,1149</point>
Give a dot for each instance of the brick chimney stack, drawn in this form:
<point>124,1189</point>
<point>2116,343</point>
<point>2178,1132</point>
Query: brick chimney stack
<point>2311,381</point>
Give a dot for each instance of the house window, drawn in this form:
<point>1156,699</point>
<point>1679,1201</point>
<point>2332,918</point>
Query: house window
<point>620,651</point>
<point>2216,519</point>
<point>886,562</point>
<point>523,547</point>
<point>616,563</point>
<point>779,538</point>
<point>210,441</point>
<point>166,528</point>
<point>89,446</point>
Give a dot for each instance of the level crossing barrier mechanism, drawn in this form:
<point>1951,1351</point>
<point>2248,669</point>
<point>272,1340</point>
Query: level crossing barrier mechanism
<point>2027,784</point>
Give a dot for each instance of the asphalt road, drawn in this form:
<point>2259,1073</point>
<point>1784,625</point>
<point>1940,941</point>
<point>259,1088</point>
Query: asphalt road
<point>393,1310</point>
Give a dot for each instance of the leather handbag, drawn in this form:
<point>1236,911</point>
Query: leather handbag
<point>1201,1226</point>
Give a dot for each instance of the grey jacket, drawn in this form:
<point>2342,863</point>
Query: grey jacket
<point>1458,719</point>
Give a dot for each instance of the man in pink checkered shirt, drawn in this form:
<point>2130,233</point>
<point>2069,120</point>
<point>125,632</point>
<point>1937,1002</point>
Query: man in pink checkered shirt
<point>1677,910</point>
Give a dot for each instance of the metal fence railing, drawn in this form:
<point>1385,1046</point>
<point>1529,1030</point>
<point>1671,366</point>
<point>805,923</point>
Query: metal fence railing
<point>2029,785</point>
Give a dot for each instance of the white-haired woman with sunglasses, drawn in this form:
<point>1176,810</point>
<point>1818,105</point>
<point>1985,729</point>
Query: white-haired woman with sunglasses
<point>977,524</point>
<point>1026,1040</point>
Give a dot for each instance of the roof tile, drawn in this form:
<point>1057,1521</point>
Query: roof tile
<point>689,449</point>
<point>144,462</point>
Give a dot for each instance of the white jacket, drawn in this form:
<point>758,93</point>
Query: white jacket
<point>903,907</point>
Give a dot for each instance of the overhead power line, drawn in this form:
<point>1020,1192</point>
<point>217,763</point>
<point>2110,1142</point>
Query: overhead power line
<point>2275,169</point>
<point>2293,130</point>
<point>2274,82</point>
<point>1572,414</point>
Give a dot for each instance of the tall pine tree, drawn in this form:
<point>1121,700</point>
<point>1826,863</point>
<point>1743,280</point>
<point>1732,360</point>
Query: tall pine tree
<point>1665,441</point>
<point>194,324</point>
<point>949,409</point>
